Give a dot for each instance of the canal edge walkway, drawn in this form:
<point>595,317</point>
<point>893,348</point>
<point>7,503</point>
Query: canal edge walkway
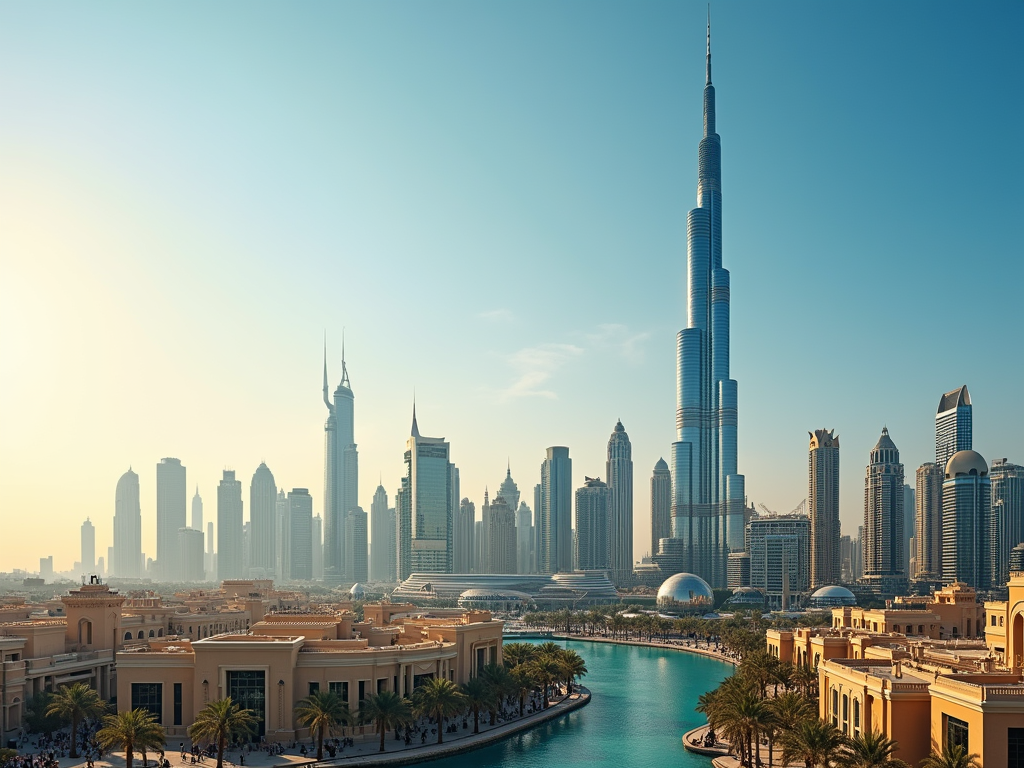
<point>717,655</point>
<point>464,744</point>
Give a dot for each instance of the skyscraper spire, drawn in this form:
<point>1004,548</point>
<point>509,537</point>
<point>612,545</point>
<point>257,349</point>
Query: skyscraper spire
<point>415,428</point>
<point>708,82</point>
<point>344,368</point>
<point>327,389</point>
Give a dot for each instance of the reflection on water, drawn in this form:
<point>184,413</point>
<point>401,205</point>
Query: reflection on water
<point>642,705</point>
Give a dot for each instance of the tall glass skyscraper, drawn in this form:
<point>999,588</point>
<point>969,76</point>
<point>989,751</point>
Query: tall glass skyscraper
<point>707,491</point>
<point>341,471</point>
<point>953,425</point>
<point>424,506</point>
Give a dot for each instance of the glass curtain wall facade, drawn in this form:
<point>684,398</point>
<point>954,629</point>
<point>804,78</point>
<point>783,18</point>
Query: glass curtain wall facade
<point>341,471</point>
<point>707,491</point>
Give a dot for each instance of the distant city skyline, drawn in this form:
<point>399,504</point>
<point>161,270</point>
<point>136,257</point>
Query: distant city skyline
<point>149,362</point>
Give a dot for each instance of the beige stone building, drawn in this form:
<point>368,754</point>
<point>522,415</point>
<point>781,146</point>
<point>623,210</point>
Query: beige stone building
<point>923,676</point>
<point>286,656</point>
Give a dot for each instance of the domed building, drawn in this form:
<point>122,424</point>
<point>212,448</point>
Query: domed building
<point>358,592</point>
<point>496,600</point>
<point>746,597</point>
<point>685,592</point>
<point>832,596</point>
<point>967,521</point>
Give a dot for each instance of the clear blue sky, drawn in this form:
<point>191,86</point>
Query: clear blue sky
<point>491,198</point>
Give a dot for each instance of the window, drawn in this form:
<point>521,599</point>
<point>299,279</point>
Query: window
<point>127,635</point>
<point>247,688</point>
<point>149,696</point>
<point>140,634</point>
<point>314,688</point>
<point>152,633</point>
<point>382,684</point>
<point>362,691</point>
<point>339,688</point>
<point>993,619</point>
<point>1015,748</point>
<point>956,732</point>
<point>846,714</point>
<point>177,703</point>
<point>856,717</point>
<point>835,707</point>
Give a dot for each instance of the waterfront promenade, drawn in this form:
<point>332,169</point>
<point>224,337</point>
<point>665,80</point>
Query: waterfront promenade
<point>365,751</point>
<point>689,646</point>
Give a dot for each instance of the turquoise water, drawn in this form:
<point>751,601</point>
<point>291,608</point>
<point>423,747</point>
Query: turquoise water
<point>643,700</point>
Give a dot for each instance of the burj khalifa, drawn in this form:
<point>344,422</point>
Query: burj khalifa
<point>707,492</point>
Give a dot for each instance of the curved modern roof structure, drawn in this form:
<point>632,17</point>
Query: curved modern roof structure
<point>966,463</point>
<point>954,399</point>
<point>832,595</point>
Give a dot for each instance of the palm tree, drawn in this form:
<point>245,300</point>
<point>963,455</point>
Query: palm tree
<point>497,677</point>
<point>817,743</point>
<point>321,712</point>
<point>574,666</point>
<point>522,683</point>
<point>220,721</point>
<point>438,698</point>
<point>478,695</point>
<point>550,648</point>
<point>388,709</point>
<point>953,756</point>
<point>791,709</point>
<point>130,730</point>
<point>872,750</point>
<point>546,670</point>
<point>75,703</point>
<point>516,654</point>
<point>805,678</point>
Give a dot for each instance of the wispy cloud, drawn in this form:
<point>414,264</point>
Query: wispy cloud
<point>497,315</point>
<point>535,366</point>
<point>619,339</point>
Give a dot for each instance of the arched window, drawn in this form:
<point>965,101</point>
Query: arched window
<point>160,632</point>
<point>152,633</point>
<point>127,635</point>
<point>141,634</point>
<point>85,632</point>
<point>835,707</point>
<point>856,717</point>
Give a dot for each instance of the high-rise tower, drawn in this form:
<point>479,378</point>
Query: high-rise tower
<point>229,528</point>
<point>379,537</point>
<point>823,507</point>
<point>341,471</point>
<point>661,504</point>
<point>127,560</point>
<point>88,561</point>
<point>884,544</point>
<point>953,425</point>
<point>171,495</point>
<point>967,521</point>
<point>928,522</point>
<point>593,509</point>
<point>263,516</point>
<point>554,516</point>
<point>424,506</point>
<point>707,491</point>
<point>197,511</point>
<point>619,474</point>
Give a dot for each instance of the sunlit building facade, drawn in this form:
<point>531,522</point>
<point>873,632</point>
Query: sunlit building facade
<point>707,489</point>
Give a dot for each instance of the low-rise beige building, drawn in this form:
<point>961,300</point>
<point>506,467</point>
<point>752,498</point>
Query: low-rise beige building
<point>285,657</point>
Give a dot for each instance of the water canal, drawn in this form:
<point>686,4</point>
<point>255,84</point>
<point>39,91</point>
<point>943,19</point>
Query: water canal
<point>643,700</point>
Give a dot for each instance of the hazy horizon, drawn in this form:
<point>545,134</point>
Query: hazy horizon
<point>491,200</point>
